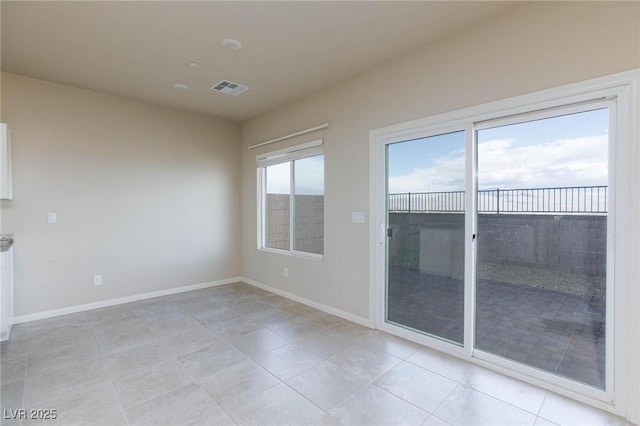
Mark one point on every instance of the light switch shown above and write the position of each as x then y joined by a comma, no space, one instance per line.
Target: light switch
357,217
52,218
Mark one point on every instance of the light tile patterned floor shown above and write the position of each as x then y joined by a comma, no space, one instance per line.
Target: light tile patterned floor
236,354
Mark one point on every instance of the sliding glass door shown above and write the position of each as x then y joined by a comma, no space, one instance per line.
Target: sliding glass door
425,217
498,241
541,264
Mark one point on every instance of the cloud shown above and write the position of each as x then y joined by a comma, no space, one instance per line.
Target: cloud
309,177
507,164
278,179
444,174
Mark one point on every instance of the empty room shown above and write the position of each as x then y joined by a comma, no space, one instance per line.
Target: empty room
320,213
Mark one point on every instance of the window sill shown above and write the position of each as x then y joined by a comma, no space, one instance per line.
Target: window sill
293,253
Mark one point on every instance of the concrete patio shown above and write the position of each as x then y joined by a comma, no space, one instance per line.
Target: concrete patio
551,330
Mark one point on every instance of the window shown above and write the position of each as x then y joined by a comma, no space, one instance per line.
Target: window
291,200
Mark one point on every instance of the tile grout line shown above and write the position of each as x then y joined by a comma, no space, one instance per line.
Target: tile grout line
26,375
195,381
211,398
500,400
175,357
215,402
434,372
224,338
542,404
458,384
303,396
401,398
124,413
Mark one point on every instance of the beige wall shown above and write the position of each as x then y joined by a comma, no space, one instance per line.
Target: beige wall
530,48
533,47
148,196
145,196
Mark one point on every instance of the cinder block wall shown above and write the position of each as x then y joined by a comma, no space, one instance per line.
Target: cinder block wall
277,221
309,222
567,243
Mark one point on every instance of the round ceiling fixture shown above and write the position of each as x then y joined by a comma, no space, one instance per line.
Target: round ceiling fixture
231,45
192,64
181,87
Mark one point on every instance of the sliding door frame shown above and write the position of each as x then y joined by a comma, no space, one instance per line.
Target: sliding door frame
562,110
615,92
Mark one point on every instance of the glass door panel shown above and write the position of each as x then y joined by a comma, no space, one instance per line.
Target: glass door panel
309,201
425,222
542,243
276,216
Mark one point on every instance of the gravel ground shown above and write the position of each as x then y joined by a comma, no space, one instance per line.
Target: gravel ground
563,282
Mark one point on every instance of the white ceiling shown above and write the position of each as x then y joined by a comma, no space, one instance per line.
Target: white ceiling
140,49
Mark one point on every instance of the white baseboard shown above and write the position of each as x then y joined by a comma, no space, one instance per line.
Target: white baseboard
137,297
326,308
120,300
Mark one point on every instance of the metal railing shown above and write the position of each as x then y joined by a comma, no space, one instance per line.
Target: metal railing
559,200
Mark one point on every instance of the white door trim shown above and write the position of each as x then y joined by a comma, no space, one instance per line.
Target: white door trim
624,88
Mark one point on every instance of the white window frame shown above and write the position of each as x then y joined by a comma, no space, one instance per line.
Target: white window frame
286,155
620,91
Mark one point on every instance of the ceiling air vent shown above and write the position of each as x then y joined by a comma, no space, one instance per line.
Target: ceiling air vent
229,87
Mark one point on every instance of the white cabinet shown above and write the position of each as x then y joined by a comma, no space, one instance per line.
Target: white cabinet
6,185
6,293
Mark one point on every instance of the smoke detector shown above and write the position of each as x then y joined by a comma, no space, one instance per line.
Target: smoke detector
231,45
229,87
181,87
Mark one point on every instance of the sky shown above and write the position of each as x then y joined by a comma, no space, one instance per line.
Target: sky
570,150
309,177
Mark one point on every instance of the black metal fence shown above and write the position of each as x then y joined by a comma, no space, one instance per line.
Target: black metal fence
560,200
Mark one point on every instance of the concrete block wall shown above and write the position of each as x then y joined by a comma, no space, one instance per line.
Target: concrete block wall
277,221
309,222
576,244
568,243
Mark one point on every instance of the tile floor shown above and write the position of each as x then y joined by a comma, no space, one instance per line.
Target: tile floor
236,354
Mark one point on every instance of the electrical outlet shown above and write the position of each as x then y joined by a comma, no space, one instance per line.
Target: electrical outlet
286,272
52,218
97,280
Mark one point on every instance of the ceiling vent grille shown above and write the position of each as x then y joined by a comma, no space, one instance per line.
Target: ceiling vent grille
229,87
